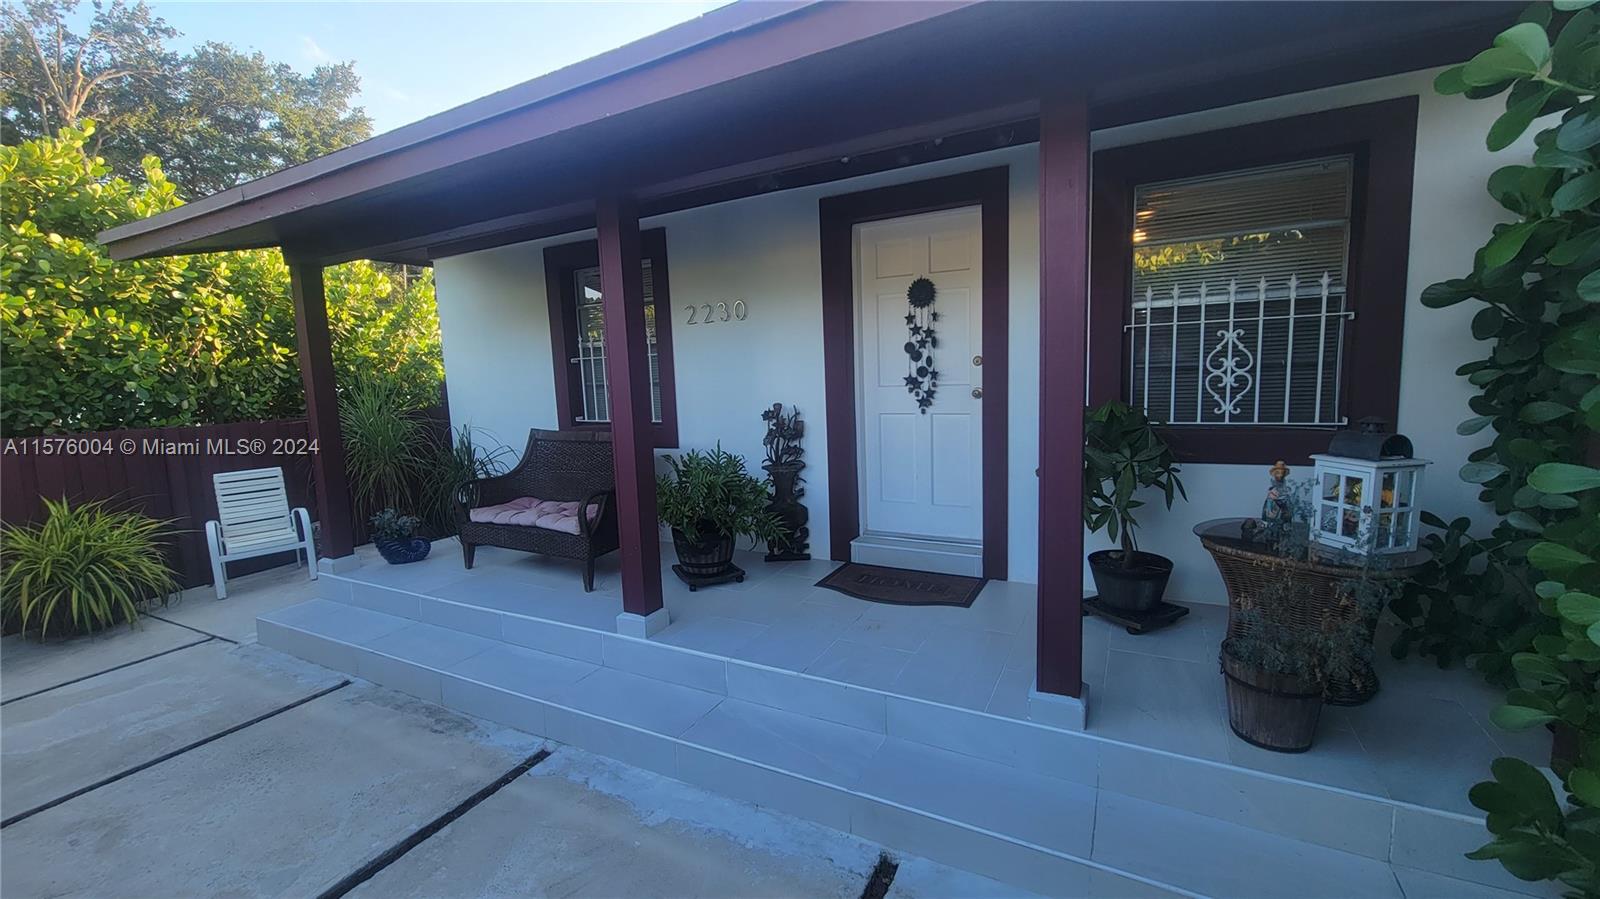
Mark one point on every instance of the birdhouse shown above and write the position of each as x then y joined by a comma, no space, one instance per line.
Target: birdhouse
1367,492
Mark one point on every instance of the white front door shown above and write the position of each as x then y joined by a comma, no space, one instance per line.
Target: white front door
921,470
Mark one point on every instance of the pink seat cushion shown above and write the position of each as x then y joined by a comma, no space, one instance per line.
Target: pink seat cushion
528,511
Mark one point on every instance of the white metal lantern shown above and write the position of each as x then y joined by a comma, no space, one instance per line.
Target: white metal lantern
1366,492
1366,505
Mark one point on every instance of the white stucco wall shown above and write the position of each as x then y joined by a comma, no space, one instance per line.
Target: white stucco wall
496,334
765,251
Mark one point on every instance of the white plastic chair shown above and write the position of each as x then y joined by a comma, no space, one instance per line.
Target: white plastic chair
255,519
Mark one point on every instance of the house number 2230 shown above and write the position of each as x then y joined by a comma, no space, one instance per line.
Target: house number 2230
706,313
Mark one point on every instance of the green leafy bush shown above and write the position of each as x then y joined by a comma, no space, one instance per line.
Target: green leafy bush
1470,601
711,494
84,569
96,344
1538,279
1122,453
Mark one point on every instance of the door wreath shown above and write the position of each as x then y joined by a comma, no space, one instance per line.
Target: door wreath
922,379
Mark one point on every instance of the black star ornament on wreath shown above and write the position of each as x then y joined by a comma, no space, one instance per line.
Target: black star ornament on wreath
922,379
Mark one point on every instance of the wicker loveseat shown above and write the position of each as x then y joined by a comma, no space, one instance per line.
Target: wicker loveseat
560,467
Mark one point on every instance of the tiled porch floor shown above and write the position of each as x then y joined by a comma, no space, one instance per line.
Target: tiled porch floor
1425,739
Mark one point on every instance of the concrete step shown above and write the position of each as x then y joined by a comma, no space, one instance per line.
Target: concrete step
1000,797
1374,826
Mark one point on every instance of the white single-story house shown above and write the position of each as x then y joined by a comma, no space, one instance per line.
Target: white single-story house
1223,213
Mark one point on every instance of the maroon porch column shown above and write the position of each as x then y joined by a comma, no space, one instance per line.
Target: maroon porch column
628,374
322,407
1063,328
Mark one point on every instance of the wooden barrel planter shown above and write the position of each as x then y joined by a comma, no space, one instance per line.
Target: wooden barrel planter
710,556
1272,711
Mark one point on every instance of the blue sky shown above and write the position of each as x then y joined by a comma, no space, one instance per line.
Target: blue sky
416,59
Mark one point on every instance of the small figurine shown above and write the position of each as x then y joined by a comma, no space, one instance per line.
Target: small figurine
1275,513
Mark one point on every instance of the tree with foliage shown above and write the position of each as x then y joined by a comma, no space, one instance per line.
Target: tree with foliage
215,116
95,344
1538,278
54,78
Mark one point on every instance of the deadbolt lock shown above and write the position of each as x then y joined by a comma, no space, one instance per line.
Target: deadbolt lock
977,360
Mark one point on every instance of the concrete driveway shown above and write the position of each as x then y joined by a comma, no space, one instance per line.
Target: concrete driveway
180,759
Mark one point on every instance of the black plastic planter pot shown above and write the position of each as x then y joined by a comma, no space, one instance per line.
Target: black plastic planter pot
1138,588
1272,711
710,556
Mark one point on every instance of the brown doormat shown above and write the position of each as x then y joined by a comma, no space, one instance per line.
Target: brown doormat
903,587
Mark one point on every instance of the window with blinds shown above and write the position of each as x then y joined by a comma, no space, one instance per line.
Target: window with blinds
591,349
1238,308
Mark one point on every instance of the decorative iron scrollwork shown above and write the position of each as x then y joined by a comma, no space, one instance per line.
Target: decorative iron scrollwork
1228,364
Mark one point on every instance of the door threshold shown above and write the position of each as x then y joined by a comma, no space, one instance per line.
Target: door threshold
936,554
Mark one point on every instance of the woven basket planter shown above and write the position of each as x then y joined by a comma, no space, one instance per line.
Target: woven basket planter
1321,595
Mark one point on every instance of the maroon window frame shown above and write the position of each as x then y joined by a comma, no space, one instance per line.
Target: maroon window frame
560,264
1381,139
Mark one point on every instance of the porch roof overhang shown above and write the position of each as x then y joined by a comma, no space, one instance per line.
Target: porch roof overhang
755,97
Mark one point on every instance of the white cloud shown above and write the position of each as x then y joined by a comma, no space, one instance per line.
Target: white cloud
312,50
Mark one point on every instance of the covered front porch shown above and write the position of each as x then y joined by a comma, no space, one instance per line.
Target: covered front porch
963,734
624,138
910,725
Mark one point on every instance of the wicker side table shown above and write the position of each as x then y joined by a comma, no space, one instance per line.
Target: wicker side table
1247,568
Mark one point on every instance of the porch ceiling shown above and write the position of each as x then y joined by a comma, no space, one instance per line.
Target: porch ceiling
753,98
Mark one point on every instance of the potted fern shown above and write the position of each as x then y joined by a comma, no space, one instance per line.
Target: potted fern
1122,454
710,500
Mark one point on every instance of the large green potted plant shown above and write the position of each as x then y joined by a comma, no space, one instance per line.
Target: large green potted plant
1123,454
709,500
85,568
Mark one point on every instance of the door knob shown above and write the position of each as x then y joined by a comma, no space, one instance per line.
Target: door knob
977,360
977,393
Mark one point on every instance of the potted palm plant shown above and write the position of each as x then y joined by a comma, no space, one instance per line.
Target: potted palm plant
1122,455
709,500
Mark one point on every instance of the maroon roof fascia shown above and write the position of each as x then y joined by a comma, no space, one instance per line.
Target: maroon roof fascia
722,45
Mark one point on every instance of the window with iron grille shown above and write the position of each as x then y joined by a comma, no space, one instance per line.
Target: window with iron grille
590,352
1238,308
578,335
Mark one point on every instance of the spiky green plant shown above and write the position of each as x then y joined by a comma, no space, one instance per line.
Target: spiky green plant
84,569
381,437
452,463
